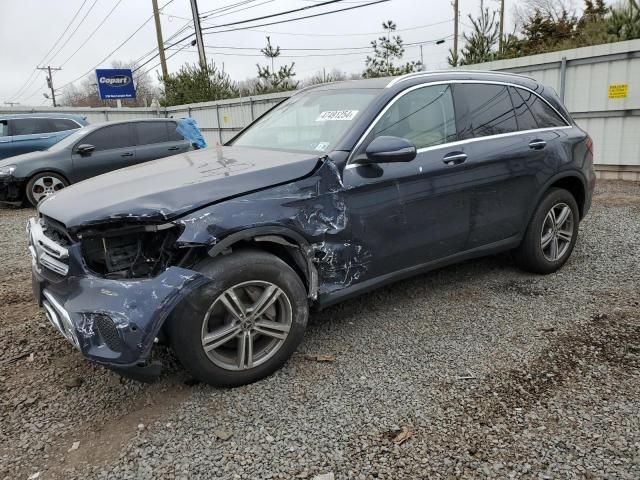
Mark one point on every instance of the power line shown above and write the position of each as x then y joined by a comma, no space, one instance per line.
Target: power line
92,33
299,18
348,34
74,30
329,2
115,49
22,88
282,21
227,7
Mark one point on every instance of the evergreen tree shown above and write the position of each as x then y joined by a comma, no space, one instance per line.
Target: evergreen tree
386,50
270,80
481,45
194,83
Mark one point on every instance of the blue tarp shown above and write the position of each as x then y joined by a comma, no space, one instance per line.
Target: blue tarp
188,128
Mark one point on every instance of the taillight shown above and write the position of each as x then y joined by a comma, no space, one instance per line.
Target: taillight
589,144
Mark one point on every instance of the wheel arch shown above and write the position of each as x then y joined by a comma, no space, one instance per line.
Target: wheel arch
285,243
572,181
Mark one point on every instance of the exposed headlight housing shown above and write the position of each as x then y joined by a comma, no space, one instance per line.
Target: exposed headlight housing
7,170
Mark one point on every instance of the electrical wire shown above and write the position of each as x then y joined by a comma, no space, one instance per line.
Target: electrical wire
92,33
74,30
299,18
22,88
264,17
114,50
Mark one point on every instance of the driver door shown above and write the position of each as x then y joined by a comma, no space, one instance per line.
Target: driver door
411,213
114,149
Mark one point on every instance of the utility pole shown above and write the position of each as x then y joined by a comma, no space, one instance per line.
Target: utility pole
421,59
50,82
163,60
501,26
456,14
196,25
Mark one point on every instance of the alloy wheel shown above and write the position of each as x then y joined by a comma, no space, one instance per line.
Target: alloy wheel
45,186
557,232
246,325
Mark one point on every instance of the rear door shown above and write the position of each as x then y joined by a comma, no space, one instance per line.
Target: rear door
114,148
5,140
506,169
30,134
158,139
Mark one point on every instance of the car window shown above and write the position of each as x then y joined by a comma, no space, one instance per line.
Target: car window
152,132
28,126
312,121
113,136
4,128
484,109
62,124
524,117
174,136
424,116
546,117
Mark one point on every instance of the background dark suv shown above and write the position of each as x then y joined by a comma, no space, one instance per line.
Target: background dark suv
23,133
85,153
340,189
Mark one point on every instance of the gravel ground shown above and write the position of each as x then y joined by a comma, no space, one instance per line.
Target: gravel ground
489,371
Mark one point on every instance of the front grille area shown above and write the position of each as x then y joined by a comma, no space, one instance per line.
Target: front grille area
108,331
46,251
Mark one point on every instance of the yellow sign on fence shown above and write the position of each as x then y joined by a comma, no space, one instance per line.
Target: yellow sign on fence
618,90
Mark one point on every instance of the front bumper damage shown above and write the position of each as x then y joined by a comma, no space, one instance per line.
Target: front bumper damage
12,190
111,322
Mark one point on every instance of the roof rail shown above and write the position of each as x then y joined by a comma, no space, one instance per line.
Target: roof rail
409,76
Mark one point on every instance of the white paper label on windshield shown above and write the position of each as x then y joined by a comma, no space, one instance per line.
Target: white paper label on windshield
336,115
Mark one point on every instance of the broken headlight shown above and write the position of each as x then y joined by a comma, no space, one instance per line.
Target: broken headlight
130,255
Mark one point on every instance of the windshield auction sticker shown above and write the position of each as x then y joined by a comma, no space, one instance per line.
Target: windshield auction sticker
336,115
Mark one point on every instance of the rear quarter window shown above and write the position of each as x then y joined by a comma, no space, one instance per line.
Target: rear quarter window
4,128
546,117
62,124
483,110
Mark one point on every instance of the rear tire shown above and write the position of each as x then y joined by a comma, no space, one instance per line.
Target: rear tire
245,324
551,233
43,184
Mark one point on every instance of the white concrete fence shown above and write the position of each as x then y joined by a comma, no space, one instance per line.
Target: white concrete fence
600,86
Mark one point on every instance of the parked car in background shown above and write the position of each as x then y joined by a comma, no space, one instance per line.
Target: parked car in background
340,189
85,153
24,133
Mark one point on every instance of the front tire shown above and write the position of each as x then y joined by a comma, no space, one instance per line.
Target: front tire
43,184
245,324
551,234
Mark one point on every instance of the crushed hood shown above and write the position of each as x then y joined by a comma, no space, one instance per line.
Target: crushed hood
162,190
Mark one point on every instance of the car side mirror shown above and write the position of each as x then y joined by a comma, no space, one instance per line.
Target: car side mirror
85,149
387,149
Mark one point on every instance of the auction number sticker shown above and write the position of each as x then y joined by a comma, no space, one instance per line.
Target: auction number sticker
336,115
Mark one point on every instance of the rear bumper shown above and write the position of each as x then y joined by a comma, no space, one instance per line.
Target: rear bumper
111,322
12,190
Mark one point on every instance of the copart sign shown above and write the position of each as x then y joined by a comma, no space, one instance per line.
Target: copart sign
115,83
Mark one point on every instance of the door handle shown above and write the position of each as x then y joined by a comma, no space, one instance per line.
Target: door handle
455,158
128,154
537,144
173,148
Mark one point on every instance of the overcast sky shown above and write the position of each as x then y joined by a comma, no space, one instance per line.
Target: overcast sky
30,28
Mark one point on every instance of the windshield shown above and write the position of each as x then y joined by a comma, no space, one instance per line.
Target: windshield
69,139
310,122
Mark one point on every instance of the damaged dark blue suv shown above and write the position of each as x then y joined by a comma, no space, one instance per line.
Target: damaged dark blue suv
340,189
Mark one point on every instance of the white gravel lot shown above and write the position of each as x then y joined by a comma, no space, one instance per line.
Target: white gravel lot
495,373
